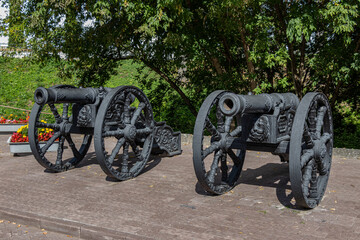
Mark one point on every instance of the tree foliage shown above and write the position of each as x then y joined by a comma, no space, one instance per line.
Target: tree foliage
199,46
16,25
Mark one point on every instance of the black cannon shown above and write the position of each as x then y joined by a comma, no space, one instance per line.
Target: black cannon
118,118
300,133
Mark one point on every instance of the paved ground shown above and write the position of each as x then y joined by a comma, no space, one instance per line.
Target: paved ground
15,231
165,202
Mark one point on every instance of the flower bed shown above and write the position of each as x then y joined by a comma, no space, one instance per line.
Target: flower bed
14,119
19,140
12,123
22,134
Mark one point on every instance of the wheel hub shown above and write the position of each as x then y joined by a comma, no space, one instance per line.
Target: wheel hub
65,127
223,141
130,132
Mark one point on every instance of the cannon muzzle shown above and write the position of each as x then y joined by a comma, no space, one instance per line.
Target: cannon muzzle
230,104
65,95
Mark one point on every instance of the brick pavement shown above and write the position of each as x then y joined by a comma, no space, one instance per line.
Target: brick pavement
165,202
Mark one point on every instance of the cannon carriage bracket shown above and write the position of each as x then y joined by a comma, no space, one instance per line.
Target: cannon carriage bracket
118,118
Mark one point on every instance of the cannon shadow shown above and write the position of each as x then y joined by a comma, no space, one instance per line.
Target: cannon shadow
90,159
273,175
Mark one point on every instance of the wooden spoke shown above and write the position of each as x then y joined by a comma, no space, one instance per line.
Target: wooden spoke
145,131
320,120
326,137
220,120
136,150
224,168
55,113
227,124
137,113
138,156
116,133
60,151
211,128
125,159
65,111
236,169
213,147
236,159
306,157
307,136
324,165
307,177
116,150
49,142
73,148
52,126
313,191
214,166
237,131
127,109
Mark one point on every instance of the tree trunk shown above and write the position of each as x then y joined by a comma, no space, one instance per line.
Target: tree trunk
295,77
249,63
217,65
173,85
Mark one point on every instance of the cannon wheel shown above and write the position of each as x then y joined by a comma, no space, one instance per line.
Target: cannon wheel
40,149
216,174
125,120
310,152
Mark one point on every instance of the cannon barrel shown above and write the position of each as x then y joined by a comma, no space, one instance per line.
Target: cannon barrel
65,95
231,104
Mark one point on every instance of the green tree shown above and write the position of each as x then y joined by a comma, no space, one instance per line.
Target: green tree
16,25
199,46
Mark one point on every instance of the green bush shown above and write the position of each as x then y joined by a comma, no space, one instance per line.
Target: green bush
346,126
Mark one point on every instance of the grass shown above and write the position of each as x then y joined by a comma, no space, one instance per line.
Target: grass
19,79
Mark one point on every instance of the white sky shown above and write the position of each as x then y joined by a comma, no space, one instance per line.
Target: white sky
3,13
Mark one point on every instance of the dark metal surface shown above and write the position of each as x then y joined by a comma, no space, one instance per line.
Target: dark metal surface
119,118
166,140
276,123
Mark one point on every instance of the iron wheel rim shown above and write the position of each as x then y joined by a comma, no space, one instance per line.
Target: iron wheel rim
143,125
210,180
311,150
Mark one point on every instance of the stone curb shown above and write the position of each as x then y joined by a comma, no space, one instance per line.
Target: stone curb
342,152
75,229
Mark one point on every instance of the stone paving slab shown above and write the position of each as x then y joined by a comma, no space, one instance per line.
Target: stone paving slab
166,202
15,231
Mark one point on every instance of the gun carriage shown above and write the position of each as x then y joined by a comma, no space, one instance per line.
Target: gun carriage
117,118
301,133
